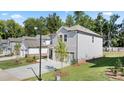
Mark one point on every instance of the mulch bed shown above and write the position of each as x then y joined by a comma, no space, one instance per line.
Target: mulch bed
110,74
80,62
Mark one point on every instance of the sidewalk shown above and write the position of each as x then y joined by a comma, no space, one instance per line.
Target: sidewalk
8,58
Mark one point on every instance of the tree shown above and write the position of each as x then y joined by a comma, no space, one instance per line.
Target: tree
13,29
112,29
29,25
61,51
2,28
99,22
41,24
69,21
78,16
84,20
17,51
121,35
53,22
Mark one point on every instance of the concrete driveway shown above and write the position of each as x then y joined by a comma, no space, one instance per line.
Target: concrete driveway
24,73
5,76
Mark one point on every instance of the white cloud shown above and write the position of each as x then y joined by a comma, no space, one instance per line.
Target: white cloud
4,14
107,13
67,12
16,16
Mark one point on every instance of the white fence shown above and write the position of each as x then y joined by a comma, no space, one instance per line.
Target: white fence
114,49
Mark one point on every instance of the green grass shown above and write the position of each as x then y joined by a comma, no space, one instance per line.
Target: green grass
12,63
94,70
114,54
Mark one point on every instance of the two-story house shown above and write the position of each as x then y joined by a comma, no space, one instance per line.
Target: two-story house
81,43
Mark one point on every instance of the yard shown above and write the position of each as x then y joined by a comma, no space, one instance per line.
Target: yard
94,70
12,63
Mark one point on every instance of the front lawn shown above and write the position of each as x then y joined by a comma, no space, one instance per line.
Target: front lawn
114,54
94,70
12,63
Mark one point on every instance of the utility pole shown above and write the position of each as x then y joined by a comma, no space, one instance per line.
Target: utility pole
40,77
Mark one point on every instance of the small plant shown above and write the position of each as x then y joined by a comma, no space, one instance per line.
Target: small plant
115,71
29,59
26,56
118,64
73,62
122,71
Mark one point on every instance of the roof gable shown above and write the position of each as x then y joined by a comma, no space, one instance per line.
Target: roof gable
80,29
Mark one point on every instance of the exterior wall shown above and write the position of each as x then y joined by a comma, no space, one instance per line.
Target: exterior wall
71,40
12,45
81,44
23,50
46,42
88,49
36,51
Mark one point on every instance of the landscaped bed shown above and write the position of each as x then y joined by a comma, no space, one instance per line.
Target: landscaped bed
93,70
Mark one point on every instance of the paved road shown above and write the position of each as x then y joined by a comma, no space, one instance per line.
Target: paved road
23,72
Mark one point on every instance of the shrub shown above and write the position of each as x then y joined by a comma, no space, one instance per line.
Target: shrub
29,59
115,72
118,64
26,56
73,62
122,71
34,58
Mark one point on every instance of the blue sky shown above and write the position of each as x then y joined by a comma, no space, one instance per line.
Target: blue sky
20,16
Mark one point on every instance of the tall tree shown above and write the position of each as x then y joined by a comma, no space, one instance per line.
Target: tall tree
2,28
78,16
112,29
29,26
69,21
41,24
13,29
53,22
99,22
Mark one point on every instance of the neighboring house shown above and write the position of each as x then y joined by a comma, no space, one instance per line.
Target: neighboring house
81,42
13,42
4,47
30,45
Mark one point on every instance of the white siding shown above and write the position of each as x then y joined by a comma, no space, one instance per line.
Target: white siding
88,49
36,50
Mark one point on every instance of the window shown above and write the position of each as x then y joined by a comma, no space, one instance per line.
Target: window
92,39
60,36
65,38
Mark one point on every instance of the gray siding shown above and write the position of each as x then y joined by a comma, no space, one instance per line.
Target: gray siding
81,44
71,40
88,49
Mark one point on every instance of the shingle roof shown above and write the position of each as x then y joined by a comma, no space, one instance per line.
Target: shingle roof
81,28
15,39
44,37
32,43
27,37
3,41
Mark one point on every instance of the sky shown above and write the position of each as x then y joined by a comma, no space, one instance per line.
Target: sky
21,16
